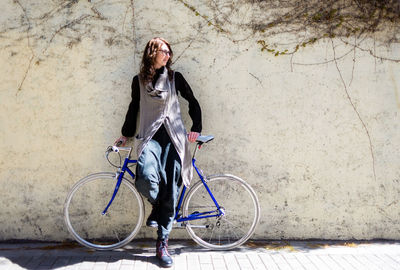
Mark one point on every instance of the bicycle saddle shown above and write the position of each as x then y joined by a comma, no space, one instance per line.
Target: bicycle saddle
204,139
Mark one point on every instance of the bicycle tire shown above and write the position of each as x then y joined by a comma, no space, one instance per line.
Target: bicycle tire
241,206
85,203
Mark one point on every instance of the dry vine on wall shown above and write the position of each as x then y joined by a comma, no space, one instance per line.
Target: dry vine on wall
308,20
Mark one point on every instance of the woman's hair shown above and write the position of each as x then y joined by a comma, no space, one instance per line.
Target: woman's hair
147,69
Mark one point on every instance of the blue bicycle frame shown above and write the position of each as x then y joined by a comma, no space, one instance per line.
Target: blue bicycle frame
196,215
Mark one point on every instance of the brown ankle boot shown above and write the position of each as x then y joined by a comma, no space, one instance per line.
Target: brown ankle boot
162,253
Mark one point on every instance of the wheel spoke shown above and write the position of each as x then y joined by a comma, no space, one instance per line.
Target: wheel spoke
212,232
234,227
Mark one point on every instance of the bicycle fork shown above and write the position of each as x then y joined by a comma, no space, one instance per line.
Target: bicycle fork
114,193
120,175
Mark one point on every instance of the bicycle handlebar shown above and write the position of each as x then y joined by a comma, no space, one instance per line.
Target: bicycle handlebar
117,148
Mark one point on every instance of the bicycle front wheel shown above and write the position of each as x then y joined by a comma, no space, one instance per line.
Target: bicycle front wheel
241,210
84,206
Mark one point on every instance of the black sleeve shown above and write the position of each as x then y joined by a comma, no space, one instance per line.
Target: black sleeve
194,107
129,127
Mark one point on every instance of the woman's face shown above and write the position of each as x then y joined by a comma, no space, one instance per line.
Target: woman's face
162,57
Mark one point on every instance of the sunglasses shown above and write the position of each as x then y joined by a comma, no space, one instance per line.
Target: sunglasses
165,52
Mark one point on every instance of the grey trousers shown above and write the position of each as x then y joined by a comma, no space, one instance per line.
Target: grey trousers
158,178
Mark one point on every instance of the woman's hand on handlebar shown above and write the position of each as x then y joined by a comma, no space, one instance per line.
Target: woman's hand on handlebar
121,141
192,136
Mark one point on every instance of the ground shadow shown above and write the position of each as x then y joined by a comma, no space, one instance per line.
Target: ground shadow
139,254
51,256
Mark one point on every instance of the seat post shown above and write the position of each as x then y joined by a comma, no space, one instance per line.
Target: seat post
198,145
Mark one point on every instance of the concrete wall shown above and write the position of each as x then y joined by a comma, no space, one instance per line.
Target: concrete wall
323,158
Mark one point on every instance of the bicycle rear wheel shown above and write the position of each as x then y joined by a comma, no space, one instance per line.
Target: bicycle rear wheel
84,206
239,203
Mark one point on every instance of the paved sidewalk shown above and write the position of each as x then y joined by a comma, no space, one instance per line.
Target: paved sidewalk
280,255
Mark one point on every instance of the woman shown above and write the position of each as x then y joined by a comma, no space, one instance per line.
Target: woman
164,159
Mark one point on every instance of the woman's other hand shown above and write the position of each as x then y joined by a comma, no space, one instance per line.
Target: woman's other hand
121,139
192,136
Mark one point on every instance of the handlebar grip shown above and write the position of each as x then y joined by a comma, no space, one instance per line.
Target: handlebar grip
114,148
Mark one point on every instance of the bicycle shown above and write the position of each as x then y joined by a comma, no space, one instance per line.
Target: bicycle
104,210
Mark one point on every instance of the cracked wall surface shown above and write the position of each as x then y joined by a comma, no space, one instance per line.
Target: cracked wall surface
316,134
